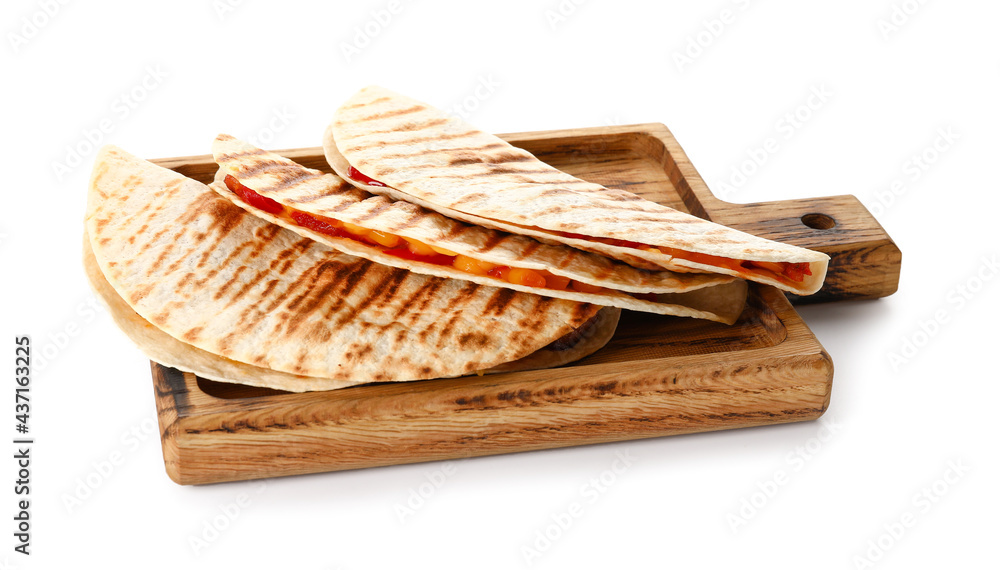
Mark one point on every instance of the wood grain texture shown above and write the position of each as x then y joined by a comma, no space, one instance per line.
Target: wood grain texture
683,375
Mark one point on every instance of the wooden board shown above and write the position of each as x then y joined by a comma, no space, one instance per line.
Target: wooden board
658,375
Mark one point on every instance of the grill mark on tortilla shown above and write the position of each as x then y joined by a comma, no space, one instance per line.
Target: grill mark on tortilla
364,351
236,252
315,274
299,247
570,259
418,301
400,336
210,276
385,288
140,293
171,186
288,183
461,161
579,181
127,221
457,230
299,367
123,223
474,340
407,127
225,215
349,283
423,334
281,258
375,212
387,156
99,172
411,220
290,256
461,298
534,245
499,301
530,322
244,318
306,199
192,334
225,286
366,104
257,278
260,168
99,223
471,196
608,206
163,255
152,240
389,114
583,312
184,280
551,191
510,157
342,189
504,169
479,157
495,239
264,236
443,333
159,318
322,284
419,140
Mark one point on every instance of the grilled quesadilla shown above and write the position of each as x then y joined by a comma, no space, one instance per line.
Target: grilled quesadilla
390,144
326,208
167,350
232,285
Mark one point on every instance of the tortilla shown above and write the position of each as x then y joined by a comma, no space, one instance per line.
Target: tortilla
168,351
214,277
316,205
411,151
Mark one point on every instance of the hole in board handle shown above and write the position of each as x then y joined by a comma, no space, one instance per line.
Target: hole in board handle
819,221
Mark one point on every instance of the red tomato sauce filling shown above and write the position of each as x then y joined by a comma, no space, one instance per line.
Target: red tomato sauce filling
786,272
414,250
354,174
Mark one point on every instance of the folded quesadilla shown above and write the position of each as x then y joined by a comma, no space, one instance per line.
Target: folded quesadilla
390,144
242,296
169,351
326,208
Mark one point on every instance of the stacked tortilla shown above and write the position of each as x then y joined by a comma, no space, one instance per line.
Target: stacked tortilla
390,144
201,285
400,234
454,253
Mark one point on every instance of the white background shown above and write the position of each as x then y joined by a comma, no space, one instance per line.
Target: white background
892,429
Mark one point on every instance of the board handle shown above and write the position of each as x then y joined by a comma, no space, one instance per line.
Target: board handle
864,261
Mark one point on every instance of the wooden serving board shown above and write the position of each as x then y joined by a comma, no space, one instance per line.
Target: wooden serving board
658,375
